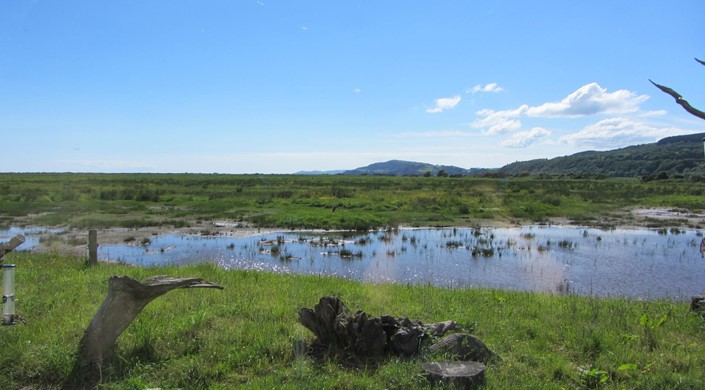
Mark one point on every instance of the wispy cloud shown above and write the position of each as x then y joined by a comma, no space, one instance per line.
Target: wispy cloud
357,90
435,134
523,139
653,113
490,87
499,122
443,104
619,131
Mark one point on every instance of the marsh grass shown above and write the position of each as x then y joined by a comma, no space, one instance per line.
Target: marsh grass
242,337
325,202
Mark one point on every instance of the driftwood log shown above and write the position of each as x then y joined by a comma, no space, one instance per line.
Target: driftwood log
125,300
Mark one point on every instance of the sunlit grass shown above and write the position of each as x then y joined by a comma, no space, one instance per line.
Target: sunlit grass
242,336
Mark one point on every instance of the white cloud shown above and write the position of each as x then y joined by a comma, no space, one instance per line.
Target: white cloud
590,99
626,124
491,87
357,90
525,138
653,113
499,122
443,104
617,132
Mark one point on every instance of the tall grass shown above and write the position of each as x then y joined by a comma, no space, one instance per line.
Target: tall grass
242,337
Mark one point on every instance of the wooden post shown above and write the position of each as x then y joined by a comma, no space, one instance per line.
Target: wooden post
92,247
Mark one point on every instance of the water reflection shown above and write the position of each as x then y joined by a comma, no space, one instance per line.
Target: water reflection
31,236
641,264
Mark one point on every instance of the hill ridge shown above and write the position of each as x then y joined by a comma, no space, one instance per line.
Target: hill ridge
675,155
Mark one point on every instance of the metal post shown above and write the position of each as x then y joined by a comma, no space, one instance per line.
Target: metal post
8,294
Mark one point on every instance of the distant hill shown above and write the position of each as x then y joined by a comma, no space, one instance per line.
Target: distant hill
407,168
679,155
319,172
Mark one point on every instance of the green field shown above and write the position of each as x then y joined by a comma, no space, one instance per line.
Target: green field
327,202
242,336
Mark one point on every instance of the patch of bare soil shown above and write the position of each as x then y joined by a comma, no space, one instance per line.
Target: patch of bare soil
659,217
75,242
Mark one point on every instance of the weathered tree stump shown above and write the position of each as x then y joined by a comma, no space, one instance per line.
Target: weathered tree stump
125,300
467,375
363,335
463,346
325,320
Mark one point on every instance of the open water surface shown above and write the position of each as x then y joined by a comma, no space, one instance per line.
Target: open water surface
641,263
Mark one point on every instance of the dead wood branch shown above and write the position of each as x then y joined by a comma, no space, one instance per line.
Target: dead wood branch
125,300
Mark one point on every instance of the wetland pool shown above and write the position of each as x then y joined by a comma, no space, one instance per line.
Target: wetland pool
633,263
638,264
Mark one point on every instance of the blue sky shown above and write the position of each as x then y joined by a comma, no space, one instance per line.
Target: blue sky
284,86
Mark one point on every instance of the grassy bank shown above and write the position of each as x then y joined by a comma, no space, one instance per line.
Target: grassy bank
242,336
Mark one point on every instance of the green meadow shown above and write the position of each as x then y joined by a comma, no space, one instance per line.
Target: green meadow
243,336
328,202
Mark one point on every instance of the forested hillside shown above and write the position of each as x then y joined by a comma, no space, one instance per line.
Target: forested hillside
679,155
670,157
407,168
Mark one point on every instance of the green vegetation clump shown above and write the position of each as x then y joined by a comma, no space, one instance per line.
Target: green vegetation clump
242,336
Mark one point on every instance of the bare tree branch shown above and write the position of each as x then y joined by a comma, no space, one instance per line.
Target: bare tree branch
679,99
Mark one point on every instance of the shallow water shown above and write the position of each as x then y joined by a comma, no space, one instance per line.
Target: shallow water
640,264
31,236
